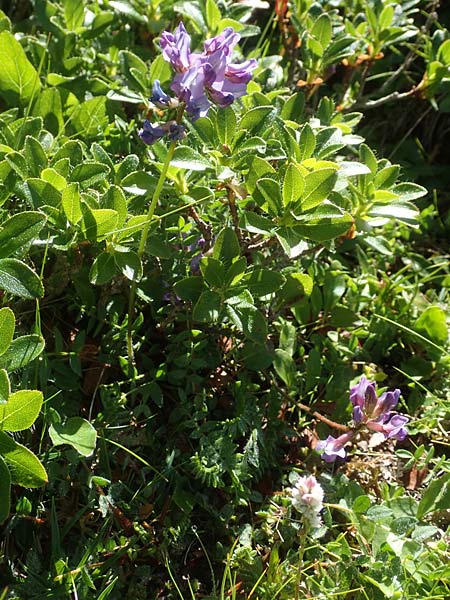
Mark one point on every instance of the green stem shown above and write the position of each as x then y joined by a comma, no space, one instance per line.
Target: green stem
141,249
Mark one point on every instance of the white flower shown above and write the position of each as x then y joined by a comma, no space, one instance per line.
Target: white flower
307,497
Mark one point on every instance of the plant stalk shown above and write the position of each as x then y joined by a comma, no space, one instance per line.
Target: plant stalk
141,249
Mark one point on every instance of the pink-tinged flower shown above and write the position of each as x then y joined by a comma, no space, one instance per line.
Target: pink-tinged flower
332,448
363,396
206,76
367,405
176,48
392,426
307,498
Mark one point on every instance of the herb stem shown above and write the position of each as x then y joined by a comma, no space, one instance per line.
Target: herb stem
141,249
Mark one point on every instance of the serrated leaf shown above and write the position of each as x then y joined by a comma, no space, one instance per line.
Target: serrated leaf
25,468
21,410
21,351
75,432
18,279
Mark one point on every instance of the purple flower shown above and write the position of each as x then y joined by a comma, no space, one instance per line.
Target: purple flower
363,396
160,98
392,426
366,403
176,48
150,134
332,448
176,131
207,76
190,89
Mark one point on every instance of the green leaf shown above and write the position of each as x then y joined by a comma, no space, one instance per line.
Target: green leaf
114,198
284,366
7,326
261,282
254,118
25,468
432,323
99,223
21,410
270,193
5,490
75,432
129,264
226,124
207,307
296,287
293,108
5,387
189,288
89,118
247,319
21,351
73,14
435,497
19,232
255,223
188,158
71,203
18,163
405,212
19,80
41,193
318,185
18,279
35,156
322,30
307,142
226,247
293,185
89,173
258,168
213,15
48,105
213,272
103,269
325,223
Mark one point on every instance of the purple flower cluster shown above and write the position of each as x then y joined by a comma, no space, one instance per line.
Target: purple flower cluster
207,76
370,411
201,78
